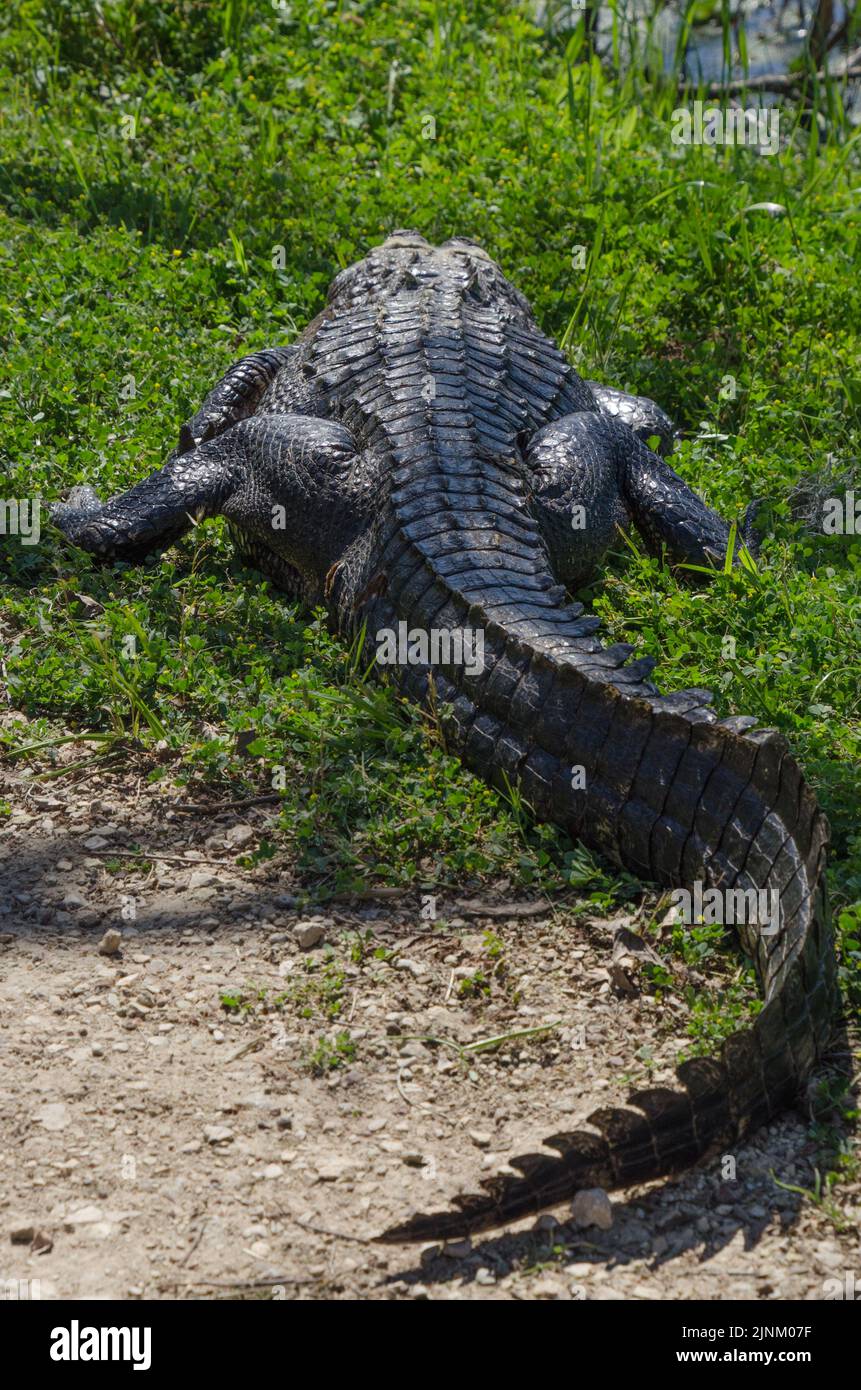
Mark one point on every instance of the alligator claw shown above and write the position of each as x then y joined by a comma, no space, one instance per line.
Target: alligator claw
73,515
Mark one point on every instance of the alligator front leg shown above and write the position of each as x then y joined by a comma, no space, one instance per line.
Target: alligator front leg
235,397
592,475
279,479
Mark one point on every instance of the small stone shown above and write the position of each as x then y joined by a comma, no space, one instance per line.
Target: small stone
592,1207
416,968
239,835
201,878
22,1235
457,1249
273,1170
110,942
194,1146
331,1169
828,1256
83,1216
545,1222
255,1232
480,1138
548,1287
308,934
53,1116
217,1134
41,1244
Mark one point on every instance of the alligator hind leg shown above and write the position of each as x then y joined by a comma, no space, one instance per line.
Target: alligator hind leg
639,413
592,474
156,511
575,493
272,476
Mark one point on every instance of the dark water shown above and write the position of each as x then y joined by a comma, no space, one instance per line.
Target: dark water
775,33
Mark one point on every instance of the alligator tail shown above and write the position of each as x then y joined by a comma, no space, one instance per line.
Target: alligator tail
675,796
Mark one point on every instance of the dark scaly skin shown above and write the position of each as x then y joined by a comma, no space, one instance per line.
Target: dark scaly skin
427,445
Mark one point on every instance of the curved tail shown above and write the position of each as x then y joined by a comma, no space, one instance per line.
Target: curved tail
676,796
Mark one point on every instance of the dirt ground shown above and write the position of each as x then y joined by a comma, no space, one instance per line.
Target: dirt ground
171,1128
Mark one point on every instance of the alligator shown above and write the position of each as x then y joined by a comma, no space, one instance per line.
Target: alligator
424,459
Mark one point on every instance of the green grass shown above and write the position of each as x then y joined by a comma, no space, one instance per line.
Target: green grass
178,185
330,1053
321,992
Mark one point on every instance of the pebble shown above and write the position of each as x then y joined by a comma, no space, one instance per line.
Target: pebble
592,1207
308,934
331,1169
83,1216
110,942
239,835
416,968
217,1134
53,1116
457,1249
546,1222
201,878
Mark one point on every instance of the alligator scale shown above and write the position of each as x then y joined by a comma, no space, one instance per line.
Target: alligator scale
417,457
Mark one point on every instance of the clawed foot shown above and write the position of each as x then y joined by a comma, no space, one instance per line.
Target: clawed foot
74,515
85,521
